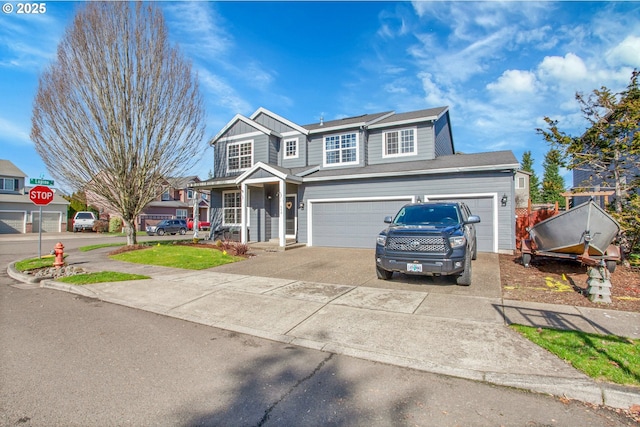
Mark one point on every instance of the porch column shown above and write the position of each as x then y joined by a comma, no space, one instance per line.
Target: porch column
243,213
281,211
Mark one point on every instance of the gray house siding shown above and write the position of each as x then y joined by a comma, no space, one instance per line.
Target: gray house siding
301,159
316,148
271,123
424,145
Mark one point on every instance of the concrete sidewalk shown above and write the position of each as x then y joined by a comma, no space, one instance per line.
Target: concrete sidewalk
439,328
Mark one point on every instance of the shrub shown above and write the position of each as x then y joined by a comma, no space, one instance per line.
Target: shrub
100,226
115,225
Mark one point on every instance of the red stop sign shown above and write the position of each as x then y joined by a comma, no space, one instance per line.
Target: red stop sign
41,195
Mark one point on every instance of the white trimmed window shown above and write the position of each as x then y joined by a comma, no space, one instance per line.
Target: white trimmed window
181,213
9,184
231,208
291,148
239,156
520,182
341,149
399,143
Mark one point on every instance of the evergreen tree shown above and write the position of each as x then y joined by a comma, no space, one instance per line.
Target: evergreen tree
552,181
534,181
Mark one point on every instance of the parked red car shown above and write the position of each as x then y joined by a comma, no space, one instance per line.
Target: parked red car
202,225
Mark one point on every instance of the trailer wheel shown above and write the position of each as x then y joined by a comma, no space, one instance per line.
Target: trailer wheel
526,259
611,265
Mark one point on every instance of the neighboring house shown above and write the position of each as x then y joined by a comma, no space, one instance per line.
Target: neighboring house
332,183
522,189
179,199
18,214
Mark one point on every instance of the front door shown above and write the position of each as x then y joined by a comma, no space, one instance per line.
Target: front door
290,218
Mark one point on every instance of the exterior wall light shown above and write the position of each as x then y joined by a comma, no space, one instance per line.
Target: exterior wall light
504,200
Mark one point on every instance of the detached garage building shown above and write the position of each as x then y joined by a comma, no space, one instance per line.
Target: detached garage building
332,183
18,214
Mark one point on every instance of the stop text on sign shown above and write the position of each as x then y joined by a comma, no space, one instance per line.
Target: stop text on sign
41,195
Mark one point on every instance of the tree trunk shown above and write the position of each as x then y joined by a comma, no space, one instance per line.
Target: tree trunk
130,230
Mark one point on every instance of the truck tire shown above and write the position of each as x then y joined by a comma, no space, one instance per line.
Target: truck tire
160,231
183,231
465,278
383,274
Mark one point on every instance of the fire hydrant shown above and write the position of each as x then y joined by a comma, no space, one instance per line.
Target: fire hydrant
58,250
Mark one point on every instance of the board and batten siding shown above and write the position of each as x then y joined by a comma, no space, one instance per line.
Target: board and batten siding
494,183
443,143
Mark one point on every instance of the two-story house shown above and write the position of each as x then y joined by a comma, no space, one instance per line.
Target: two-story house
18,214
332,183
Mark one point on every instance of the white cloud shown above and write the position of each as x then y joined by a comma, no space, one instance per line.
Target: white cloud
222,94
568,68
514,82
626,53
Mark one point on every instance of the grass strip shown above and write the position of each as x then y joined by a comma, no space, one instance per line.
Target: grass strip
35,263
607,358
178,256
100,277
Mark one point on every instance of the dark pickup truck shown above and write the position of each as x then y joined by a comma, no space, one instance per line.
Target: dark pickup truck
432,238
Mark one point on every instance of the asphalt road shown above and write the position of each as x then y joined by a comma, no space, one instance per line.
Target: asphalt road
67,360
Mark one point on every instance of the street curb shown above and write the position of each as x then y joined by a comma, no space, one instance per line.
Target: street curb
48,283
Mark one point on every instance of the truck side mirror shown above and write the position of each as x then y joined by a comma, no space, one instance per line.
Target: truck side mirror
388,220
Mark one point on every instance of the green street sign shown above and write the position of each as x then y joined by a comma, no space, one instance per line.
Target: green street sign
39,181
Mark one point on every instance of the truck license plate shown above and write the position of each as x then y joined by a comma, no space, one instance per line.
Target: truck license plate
415,268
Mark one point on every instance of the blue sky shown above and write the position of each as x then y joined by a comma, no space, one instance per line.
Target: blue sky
499,66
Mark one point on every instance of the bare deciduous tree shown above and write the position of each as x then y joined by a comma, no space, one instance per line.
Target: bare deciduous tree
119,110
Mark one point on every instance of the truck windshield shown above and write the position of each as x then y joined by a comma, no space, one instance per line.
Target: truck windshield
422,215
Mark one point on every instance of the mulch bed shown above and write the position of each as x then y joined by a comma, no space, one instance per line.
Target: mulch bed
557,281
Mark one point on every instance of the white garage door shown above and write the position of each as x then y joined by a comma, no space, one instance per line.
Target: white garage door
50,222
12,222
350,224
483,206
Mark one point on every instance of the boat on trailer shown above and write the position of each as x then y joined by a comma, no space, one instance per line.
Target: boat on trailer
586,226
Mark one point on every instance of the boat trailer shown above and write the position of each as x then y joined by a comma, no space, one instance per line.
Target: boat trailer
599,267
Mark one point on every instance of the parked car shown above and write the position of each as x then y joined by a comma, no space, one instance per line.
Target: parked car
202,225
83,220
430,238
171,226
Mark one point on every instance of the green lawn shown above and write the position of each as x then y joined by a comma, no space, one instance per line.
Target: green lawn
99,277
602,357
178,256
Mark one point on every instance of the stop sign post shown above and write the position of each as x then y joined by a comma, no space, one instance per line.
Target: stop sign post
41,196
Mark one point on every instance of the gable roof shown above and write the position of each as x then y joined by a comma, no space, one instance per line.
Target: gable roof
241,118
279,118
7,168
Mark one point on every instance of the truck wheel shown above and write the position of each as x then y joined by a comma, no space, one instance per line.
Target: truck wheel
160,232
383,274
475,250
465,278
183,231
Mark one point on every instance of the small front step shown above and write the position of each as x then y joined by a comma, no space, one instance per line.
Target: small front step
273,245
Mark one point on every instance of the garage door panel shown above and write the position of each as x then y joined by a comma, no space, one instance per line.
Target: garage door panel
12,222
483,207
352,224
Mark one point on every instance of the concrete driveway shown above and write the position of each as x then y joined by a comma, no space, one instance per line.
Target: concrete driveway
356,267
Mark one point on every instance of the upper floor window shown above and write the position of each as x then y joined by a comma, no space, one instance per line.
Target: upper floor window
166,195
291,148
239,156
191,194
9,184
399,143
520,182
181,213
341,149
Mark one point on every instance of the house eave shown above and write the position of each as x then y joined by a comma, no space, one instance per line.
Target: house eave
511,168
